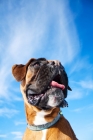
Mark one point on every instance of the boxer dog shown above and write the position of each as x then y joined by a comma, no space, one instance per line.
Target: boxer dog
44,86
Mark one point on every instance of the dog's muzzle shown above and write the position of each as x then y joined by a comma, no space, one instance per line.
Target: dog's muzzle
49,87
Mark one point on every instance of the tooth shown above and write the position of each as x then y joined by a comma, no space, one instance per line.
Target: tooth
59,72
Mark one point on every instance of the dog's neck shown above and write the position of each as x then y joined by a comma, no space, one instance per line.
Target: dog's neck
35,116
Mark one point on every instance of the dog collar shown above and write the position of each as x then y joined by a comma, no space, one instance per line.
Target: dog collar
44,126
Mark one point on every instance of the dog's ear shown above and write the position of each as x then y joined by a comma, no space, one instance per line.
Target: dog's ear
69,88
19,71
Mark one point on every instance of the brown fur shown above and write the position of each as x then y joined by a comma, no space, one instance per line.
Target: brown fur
60,131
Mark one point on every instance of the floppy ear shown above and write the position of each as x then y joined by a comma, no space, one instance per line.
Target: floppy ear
19,71
69,88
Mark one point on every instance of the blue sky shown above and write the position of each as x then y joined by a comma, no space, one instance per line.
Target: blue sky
55,29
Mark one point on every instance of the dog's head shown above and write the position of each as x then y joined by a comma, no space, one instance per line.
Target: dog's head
44,83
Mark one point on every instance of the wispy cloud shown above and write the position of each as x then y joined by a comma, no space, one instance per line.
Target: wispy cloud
4,82
76,93
87,84
79,110
17,134
33,34
20,122
8,112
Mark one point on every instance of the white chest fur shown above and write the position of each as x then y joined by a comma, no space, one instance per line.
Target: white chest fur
39,118
44,134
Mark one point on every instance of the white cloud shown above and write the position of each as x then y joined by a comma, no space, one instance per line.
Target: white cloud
81,109
79,64
17,134
75,94
29,33
78,110
20,122
8,112
88,84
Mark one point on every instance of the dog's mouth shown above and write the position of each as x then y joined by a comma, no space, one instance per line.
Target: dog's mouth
54,89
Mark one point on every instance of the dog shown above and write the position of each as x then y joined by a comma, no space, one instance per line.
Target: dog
44,85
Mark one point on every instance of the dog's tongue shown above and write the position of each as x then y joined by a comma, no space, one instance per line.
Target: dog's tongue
55,84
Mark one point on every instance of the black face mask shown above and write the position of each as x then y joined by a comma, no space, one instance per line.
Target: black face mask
41,101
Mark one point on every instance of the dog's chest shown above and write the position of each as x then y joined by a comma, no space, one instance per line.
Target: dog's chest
35,135
39,118
44,133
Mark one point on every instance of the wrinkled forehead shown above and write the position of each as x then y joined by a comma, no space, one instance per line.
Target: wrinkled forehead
38,60
41,59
